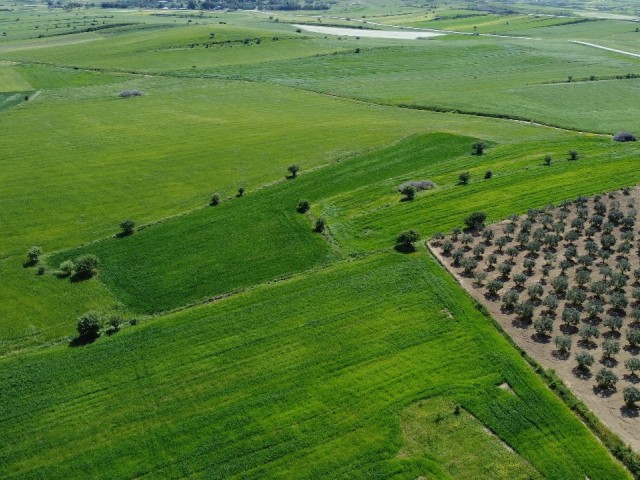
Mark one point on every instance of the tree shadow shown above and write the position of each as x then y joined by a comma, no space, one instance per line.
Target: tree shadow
568,329
561,355
587,344
631,378
609,362
404,248
81,341
631,349
123,234
604,392
80,277
29,263
582,373
611,334
541,338
629,412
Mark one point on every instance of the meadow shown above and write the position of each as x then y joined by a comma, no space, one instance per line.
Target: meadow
254,347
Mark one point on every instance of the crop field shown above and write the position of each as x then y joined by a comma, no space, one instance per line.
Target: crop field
259,336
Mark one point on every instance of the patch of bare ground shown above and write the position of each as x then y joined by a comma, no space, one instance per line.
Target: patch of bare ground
564,283
506,387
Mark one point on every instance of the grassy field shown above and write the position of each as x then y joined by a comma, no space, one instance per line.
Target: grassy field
309,378
331,357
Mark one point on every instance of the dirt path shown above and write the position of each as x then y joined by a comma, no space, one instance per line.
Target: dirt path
631,54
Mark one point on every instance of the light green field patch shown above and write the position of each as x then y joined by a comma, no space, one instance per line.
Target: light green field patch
12,81
462,445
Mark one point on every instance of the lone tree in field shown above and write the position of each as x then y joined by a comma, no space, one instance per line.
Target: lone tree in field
320,225
573,155
127,227
405,241
33,255
548,160
215,199
463,178
89,325
86,265
409,192
293,170
478,148
303,206
240,192
475,220
624,137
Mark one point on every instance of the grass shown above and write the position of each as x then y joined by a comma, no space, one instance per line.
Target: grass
253,387
11,81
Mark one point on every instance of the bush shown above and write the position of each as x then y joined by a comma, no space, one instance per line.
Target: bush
463,178
475,220
624,137
89,325
86,265
215,199
478,148
131,93
488,175
66,268
303,206
33,255
240,192
114,323
127,227
548,160
320,225
419,185
573,155
409,192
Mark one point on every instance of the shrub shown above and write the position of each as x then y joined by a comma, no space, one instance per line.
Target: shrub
584,359
405,241
320,225
624,137
131,93
66,268
293,170
86,265
606,379
240,192
89,325
215,199
419,185
478,148
114,323
573,155
463,178
303,206
127,226
548,160
631,395
409,192
488,175
33,255
475,220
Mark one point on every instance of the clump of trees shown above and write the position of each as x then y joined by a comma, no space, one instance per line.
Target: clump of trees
127,227
624,137
475,220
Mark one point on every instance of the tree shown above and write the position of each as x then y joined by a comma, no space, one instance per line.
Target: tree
560,284
215,199
563,343
127,227
33,255
589,332
606,379
576,296
488,236
529,264
613,323
409,192
505,269
583,277
89,325
535,291
631,395
405,241
478,148
610,348
624,137
632,365
66,268
551,303
573,155
520,279
524,311
594,307
547,160
584,359
240,192
303,206
469,265
488,175
633,336
570,316
494,286
510,299
86,265
475,220
543,325
320,225
618,301
293,170
464,178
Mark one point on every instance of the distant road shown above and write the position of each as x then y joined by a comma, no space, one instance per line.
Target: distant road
631,54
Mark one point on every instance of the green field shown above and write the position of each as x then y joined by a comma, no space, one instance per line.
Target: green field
254,347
